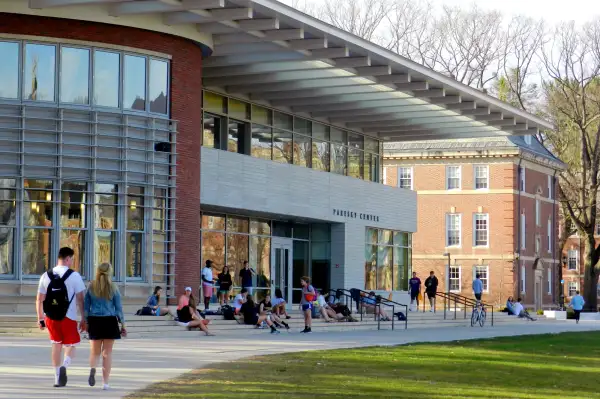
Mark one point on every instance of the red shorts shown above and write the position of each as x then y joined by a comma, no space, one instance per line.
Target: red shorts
63,331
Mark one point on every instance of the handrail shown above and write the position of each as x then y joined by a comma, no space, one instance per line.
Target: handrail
385,302
462,300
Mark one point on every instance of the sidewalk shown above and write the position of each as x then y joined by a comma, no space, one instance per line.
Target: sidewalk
25,372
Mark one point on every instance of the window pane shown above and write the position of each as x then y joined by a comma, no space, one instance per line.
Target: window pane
339,158
355,163
401,239
74,239
72,214
239,109
134,89
36,251
302,126
7,237
159,86
371,145
370,267
338,136
282,229
7,213
213,222
384,268
213,248
214,102
454,278
236,134
262,115
211,136
106,217
283,121
369,170
9,70
38,214
481,230
237,224
260,256
301,231
302,150
385,237
107,73
104,248
320,131
371,236
262,146
320,155
40,72
401,268
482,271
356,141
133,254
262,227
282,146
74,75
135,213
237,253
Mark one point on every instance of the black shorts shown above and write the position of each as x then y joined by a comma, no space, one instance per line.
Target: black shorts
478,297
251,321
431,294
414,295
183,315
103,327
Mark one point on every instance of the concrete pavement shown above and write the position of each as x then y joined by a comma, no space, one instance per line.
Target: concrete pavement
25,372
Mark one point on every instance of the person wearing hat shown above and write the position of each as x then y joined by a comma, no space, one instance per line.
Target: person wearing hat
184,301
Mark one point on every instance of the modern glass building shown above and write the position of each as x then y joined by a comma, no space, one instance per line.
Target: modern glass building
158,134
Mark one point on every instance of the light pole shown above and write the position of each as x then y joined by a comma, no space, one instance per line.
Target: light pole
447,299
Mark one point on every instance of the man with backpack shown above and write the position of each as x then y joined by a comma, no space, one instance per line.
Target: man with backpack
60,293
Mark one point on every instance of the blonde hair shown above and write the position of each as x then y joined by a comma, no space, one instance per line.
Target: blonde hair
102,285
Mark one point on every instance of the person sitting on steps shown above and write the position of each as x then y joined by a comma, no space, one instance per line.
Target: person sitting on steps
265,308
251,316
189,317
520,311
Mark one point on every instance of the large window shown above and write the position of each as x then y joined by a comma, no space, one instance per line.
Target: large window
573,259
8,223
484,275
267,134
387,259
523,233
454,283
481,229
37,235
572,288
63,73
405,178
481,173
105,230
453,229
73,221
453,177
134,245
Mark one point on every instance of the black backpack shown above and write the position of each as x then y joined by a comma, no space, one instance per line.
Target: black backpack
57,300
228,312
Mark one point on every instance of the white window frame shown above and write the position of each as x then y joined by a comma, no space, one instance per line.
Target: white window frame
459,177
550,187
572,254
399,171
523,280
549,280
477,269
549,235
448,219
538,211
485,216
449,267
487,177
523,235
522,182
574,284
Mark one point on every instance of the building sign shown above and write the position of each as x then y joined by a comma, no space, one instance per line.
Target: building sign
355,215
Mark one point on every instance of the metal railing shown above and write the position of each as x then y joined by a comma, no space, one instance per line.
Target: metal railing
357,296
457,299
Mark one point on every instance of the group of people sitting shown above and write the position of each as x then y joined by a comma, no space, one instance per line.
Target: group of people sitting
516,308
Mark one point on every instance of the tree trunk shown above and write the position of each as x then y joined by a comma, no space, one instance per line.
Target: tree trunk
590,281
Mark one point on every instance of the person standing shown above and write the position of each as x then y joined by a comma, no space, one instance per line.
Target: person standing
60,294
246,276
415,289
103,313
308,296
431,284
207,283
225,284
577,303
477,287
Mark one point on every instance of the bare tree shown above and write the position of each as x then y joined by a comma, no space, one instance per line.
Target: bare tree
572,64
363,18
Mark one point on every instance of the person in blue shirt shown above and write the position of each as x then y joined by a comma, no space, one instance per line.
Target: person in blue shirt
477,287
414,289
577,303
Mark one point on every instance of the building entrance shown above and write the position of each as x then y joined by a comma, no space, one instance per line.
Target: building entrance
281,267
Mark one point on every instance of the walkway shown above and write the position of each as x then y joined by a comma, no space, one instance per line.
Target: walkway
140,362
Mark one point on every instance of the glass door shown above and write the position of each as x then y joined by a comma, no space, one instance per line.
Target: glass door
281,267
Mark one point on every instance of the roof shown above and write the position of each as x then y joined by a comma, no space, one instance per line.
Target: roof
271,53
515,144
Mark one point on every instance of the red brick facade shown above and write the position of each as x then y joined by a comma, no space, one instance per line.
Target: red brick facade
503,205
573,264
186,97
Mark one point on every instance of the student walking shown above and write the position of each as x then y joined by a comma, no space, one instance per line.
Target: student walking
60,294
308,296
103,313
431,285
415,289
207,283
577,303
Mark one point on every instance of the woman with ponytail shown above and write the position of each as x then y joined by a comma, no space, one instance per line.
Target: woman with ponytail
103,313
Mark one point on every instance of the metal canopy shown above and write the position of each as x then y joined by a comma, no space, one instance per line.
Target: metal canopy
268,52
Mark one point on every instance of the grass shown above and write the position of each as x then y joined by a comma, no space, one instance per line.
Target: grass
564,366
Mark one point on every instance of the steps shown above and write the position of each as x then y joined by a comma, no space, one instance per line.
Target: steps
15,324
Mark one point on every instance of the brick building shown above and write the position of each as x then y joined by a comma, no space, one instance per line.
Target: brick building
573,264
490,205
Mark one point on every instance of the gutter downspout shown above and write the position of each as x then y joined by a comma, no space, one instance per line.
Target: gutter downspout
518,271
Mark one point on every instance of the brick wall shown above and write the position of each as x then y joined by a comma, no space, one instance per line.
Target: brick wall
186,88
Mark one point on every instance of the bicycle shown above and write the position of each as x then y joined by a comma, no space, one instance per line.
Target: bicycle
479,314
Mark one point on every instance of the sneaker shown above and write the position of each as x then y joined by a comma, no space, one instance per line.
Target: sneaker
105,387
92,378
287,326
275,332
309,331
277,324
304,331
288,317
430,310
260,327
62,377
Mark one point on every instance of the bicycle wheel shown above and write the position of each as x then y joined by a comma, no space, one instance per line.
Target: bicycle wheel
474,317
482,316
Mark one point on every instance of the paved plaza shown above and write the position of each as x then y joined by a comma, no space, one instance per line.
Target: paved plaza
25,372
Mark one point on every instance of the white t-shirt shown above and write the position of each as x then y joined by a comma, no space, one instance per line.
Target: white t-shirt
74,286
277,301
207,274
321,300
238,301
517,308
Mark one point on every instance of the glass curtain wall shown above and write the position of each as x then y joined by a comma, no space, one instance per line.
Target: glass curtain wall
387,259
250,129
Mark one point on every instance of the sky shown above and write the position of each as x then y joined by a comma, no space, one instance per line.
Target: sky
553,11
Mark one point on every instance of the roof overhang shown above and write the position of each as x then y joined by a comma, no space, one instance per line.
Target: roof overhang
271,53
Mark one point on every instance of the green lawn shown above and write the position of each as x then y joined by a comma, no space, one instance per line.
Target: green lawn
545,366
